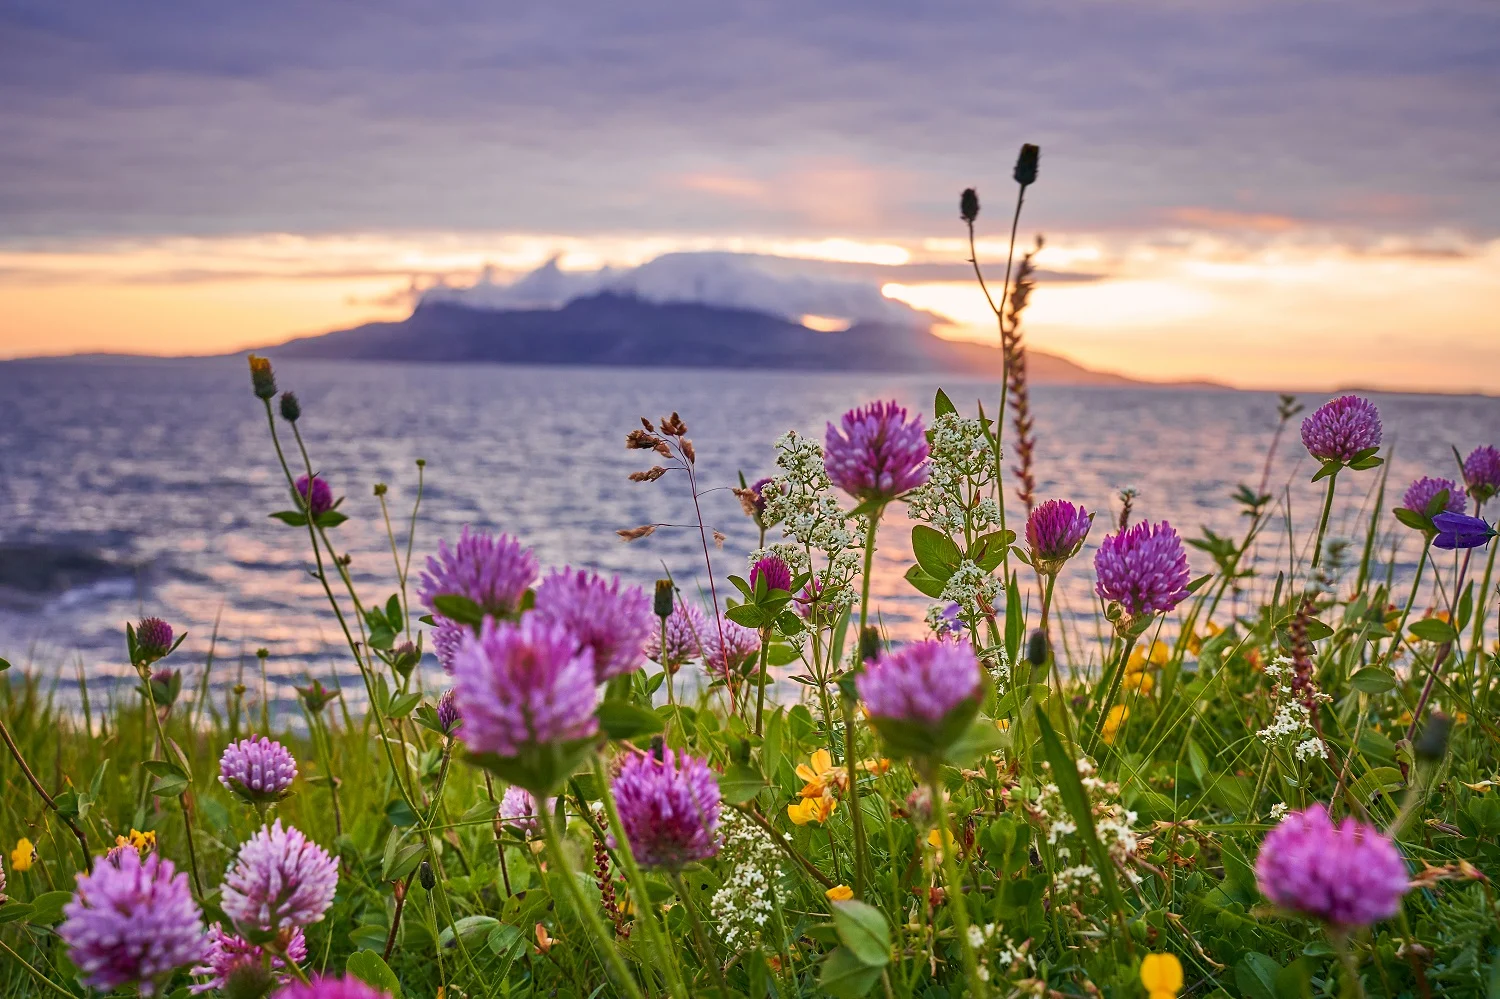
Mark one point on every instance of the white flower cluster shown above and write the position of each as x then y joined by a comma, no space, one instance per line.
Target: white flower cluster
795,557
939,623
1311,747
1114,824
959,465
802,498
744,904
997,662
1006,955
1278,811
968,586
1292,719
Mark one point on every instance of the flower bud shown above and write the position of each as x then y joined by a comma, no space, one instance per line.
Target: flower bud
869,644
662,604
1036,648
291,409
968,205
1432,744
425,875
1026,164
262,378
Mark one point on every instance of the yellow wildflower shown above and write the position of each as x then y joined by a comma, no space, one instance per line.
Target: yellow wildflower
23,856
544,943
144,842
940,841
822,776
1142,659
1143,682
875,767
1112,723
1003,724
806,810
1162,975
839,893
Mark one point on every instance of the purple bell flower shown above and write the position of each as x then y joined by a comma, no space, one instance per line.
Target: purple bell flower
1457,530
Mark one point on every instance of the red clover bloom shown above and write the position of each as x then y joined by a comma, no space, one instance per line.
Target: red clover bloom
448,714
1346,875
524,684
258,770
669,808
738,647
133,920
228,953
1055,531
1338,430
1424,490
321,500
518,810
280,880
875,454
153,639
493,572
920,682
1143,569
686,630
614,622
775,571
331,988
1482,473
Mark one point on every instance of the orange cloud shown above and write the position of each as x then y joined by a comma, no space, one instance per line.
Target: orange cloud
1219,218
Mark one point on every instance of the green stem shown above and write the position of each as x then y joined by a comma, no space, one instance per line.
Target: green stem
760,701
602,934
187,819
704,947
1323,521
1115,682
637,882
43,978
955,888
856,811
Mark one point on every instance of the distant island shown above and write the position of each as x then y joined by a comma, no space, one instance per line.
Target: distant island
680,310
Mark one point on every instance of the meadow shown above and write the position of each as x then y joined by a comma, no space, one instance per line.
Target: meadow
1281,783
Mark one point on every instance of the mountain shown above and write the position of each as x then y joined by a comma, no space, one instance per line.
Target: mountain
610,328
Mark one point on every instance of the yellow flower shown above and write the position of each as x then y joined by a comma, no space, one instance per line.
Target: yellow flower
875,767
144,842
940,841
1113,721
1143,682
822,776
23,856
1142,660
1162,975
807,810
544,943
1003,724
839,893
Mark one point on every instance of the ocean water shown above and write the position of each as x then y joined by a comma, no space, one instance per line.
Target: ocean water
136,487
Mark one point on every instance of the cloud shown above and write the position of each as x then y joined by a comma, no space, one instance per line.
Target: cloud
770,117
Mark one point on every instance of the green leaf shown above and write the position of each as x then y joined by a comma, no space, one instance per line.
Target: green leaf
746,615
862,929
480,811
1076,800
1199,583
1362,464
1317,630
1255,974
978,740
1465,607
401,704
1433,629
845,976
292,517
936,553
926,585
942,405
1373,680
1412,519
782,654
4,665
988,550
468,927
171,781
740,783
1381,780
540,769
47,907
1329,468
393,612
458,608
330,518
624,720
10,912
370,968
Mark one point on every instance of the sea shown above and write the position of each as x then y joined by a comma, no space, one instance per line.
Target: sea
133,487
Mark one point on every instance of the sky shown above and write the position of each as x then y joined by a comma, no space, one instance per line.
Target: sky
1264,192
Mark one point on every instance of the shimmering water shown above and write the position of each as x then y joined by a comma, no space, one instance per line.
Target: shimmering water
164,469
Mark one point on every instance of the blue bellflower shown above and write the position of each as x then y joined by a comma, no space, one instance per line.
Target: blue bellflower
1457,530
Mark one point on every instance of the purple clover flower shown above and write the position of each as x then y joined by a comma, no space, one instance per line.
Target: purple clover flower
1346,875
518,685
1424,490
612,621
875,454
1457,530
518,810
1144,569
493,572
132,921
775,571
686,632
1055,531
228,953
1338,430
321,500
448,715
319,987
153,639
1482,473
259,770
737,647
669,808
280,880
920,682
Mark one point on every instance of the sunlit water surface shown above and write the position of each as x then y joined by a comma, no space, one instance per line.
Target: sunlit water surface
165,470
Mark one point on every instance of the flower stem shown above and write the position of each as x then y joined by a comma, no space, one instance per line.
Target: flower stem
1323,521
187,818
765,653
856,811
704,947
586,912
49,982
955,888
1115,682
